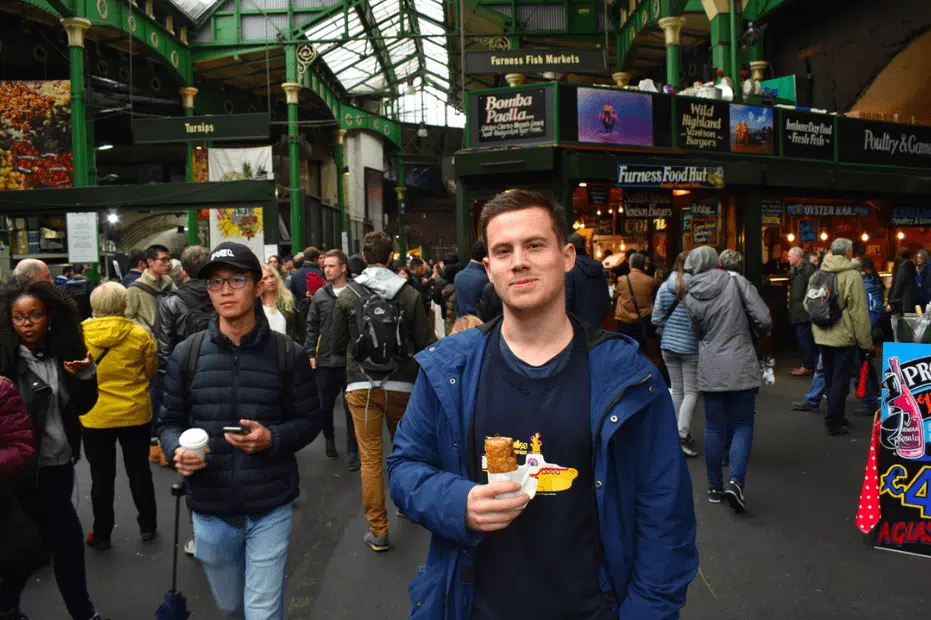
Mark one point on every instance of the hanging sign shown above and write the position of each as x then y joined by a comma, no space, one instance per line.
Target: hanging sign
647,205
536,61
81,229
598,196
772,213
670,177
706,208
808,231
807,135
903,466
828,210
875,142
217,128
915,217
703,125
518,115
704,230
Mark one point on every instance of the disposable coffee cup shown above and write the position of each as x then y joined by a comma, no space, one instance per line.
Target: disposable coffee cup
194,440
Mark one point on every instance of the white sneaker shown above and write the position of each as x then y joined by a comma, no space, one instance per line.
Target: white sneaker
189,547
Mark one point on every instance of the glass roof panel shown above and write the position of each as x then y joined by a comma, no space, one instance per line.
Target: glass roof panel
195,9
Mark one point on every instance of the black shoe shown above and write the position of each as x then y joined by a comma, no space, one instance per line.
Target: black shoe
354,463
715,495
688,446
97,542
803,406
331,452
148,536
838,431
735,497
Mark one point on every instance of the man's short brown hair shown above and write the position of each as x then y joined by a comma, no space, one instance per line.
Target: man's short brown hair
340,256
377,247
311,253
520,199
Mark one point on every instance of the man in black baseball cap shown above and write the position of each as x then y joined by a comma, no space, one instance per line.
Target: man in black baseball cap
251,390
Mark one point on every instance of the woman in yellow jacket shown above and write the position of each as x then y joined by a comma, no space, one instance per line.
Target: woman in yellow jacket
125,356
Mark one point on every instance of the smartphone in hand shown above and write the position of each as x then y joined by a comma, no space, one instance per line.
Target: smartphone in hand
235,430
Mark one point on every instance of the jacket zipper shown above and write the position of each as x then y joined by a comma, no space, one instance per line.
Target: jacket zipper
236,452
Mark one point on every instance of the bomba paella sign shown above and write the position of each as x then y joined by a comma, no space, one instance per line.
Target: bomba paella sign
512,116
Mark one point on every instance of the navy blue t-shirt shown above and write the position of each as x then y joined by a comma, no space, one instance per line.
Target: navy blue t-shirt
544,565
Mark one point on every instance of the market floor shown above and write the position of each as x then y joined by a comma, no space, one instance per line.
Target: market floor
797,554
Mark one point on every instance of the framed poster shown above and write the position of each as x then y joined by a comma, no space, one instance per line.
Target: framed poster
752,129
374,192
772,213
512,117
808,231
81,229
608,116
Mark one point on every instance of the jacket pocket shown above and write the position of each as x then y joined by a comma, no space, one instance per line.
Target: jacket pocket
427,594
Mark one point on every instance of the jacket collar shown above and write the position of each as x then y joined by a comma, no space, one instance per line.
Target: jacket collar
248,341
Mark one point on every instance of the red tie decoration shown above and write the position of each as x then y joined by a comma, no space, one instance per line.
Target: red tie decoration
868,510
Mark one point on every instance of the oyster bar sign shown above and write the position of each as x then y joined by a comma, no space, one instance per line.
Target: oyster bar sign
518,116
670,177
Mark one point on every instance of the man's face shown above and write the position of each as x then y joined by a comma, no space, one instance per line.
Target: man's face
794,259
160,265
526,263
321,260
332,269
231,302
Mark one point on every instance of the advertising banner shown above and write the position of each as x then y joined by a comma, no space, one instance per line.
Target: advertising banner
808,231
915,217
875,142
609,116
807,135
704,125
519,116
704,230
903,464
828,210
647,205
35,135
752,129
670,177
772,213
536,61
597,195
240,225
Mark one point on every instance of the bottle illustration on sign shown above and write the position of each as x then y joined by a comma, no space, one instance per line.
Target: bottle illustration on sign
901,404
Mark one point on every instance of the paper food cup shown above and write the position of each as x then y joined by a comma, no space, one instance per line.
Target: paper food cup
523,476
194,440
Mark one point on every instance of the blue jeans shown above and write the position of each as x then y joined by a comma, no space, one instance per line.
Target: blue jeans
245,562
806,344
816,391
728,413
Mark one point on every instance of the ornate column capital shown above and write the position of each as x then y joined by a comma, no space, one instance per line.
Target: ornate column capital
758,69
341,136
514,79
291,90
401,192
187,97
672,27
76,27
622,78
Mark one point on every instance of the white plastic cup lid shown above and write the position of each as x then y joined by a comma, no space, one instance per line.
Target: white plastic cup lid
193,438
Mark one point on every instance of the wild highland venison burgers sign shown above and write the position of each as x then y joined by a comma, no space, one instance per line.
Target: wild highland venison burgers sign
809,136
670,177
512,116
873,142
704,126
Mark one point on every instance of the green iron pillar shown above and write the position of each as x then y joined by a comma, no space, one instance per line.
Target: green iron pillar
401,190
76,27
340,193
291,90
672,28
720,43
187,102
735,44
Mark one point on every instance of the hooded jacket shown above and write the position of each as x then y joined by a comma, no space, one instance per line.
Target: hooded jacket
122,375
853,328
643,491
678,336
17,445
587,291
721,308
319,342
388,285
171,321
141,306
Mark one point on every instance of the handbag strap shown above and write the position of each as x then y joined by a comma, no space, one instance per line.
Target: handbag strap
754,337
633,298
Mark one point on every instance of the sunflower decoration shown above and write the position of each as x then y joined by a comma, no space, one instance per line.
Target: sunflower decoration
238,223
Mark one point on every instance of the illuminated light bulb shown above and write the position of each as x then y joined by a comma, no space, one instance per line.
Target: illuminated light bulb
901,236
583,184
599,211
824,236
790,237
620,209
610,211
865,236
598,254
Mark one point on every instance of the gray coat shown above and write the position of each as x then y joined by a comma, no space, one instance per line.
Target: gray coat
319,340
727,359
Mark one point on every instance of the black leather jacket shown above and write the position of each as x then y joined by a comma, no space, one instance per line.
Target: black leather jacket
171,320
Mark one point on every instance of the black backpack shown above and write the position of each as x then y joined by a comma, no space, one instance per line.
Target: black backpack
80,292
199,313
822,301
381,345
157,294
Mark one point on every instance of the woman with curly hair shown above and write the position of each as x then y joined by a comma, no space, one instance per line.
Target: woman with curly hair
278,302
44,355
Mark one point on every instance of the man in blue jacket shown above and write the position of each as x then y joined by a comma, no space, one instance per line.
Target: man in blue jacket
587,294
470,281
610,532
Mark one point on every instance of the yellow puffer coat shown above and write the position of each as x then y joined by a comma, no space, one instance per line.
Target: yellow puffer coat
123,374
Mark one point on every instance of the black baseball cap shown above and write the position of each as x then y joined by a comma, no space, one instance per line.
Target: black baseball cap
231,254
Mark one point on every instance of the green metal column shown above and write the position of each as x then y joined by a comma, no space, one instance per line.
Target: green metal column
672,27
340,194
735,44
291,90
720,43
76,27
187,101
401,190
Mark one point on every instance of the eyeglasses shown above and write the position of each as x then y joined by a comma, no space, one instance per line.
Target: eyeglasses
236,282
163,259
32,317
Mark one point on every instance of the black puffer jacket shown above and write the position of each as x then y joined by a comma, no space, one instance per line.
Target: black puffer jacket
171,320
798,290
233,383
